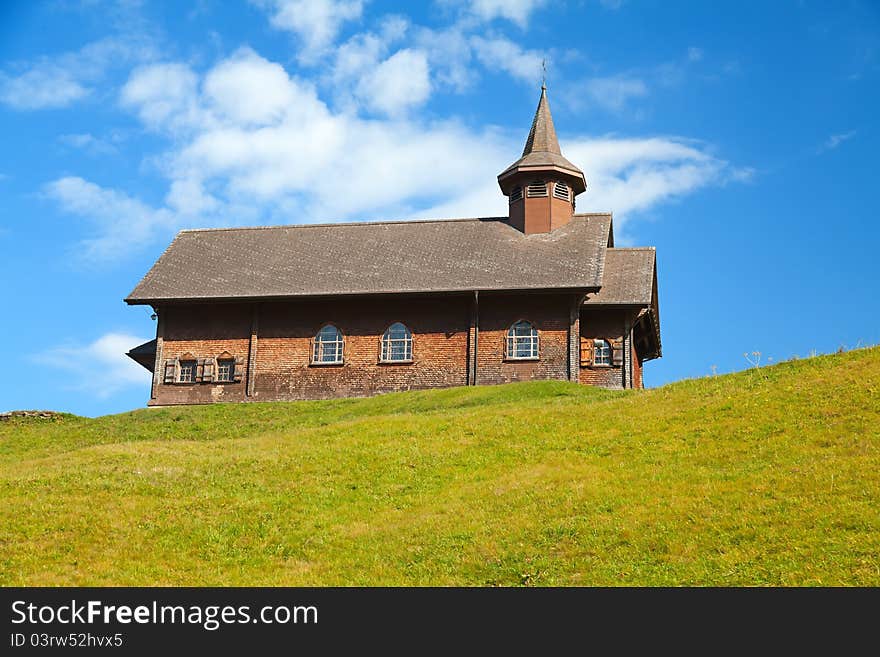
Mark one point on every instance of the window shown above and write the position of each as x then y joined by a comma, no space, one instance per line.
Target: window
516,194
187,372
537,188
560,190
522,341
601,352
225,370
328,346
396,344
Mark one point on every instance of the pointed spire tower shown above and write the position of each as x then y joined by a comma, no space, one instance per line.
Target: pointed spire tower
542,184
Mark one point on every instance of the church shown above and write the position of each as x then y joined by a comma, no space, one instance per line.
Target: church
318,311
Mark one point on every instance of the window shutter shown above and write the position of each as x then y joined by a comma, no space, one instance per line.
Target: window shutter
617,351
200,368
170,370
208,370
239,369
586,351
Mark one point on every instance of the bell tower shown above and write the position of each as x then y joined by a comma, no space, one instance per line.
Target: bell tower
541,186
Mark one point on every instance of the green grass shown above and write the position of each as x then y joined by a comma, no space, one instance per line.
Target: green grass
769,476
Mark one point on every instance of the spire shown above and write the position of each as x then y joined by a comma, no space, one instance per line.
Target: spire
541,186
542,153
542,136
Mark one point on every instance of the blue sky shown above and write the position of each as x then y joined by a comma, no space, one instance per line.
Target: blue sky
740,139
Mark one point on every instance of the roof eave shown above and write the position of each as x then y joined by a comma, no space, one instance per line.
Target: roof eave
158,301
575,176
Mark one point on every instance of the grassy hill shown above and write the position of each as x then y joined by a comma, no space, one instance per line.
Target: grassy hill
769,476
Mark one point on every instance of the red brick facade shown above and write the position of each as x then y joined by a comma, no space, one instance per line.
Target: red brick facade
613,325
274,340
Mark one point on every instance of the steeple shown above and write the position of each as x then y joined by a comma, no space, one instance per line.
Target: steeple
541,184
542,136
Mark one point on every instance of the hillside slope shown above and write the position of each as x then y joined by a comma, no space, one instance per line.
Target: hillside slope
769,476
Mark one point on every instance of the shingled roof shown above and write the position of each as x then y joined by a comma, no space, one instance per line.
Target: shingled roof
628,277
542,150
376,258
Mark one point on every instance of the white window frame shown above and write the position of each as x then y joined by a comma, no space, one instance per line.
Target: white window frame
321,346
386,351
602,354
190,366
221,362
514,340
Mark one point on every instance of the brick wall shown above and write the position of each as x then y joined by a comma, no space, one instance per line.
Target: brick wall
443,336
608,324
440,339
205,331
636,370
549,313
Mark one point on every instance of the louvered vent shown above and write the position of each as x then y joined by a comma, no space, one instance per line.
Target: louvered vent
516,194
537,188
560,190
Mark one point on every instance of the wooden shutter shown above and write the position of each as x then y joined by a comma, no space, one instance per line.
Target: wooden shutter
208,370
617,352
586,351
200,368
170,370
239,369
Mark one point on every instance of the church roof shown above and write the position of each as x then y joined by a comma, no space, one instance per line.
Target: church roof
542,148
628,278
399,257
542,136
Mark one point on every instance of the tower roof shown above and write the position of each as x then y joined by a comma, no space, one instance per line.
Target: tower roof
542,136
542,152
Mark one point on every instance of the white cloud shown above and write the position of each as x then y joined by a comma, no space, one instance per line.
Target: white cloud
624,176
164,96
611,93
500,53
356,57
628,176
695,54
249,90
450,54
99,367
119,220
290,158
315,22
399,83
87,142
836,140
516,11
363,78
54,82
43,87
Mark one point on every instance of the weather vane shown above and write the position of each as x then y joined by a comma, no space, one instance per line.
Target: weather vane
543,74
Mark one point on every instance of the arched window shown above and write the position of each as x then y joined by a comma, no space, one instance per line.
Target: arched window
601,352
522,341
536,188
516,194
328,346
396,344
560,191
